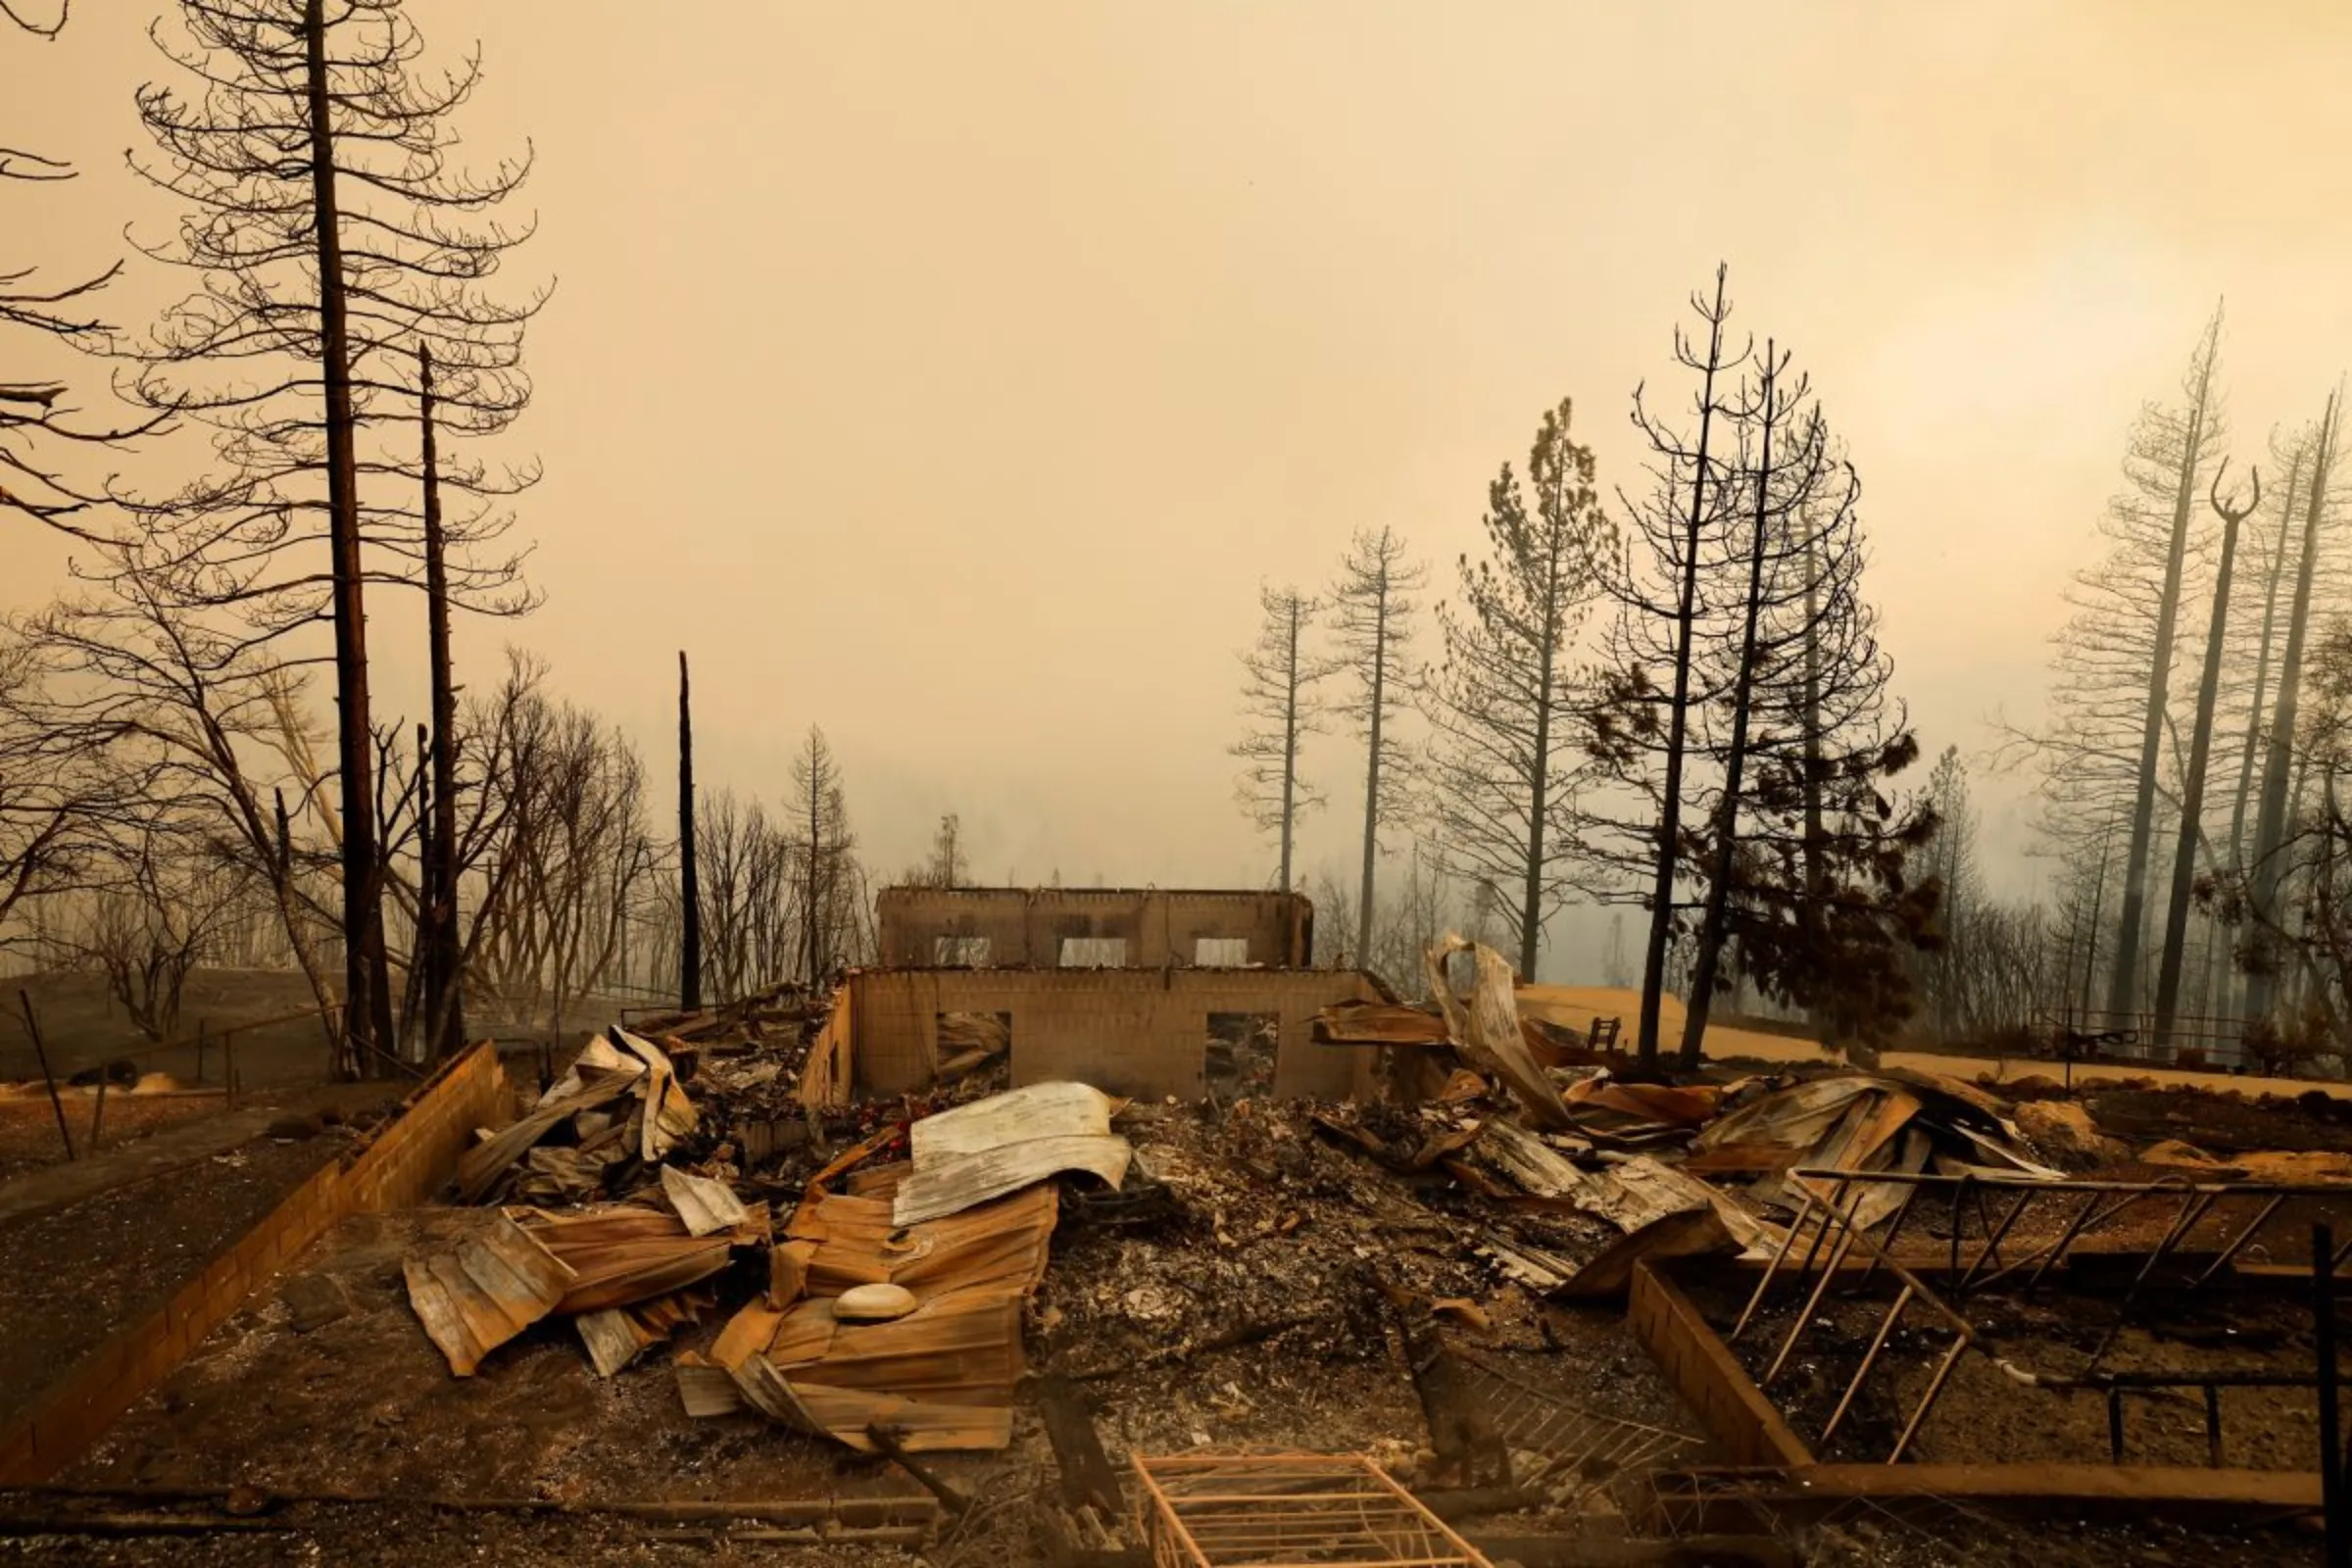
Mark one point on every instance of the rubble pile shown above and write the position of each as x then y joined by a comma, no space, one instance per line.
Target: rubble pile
896,1276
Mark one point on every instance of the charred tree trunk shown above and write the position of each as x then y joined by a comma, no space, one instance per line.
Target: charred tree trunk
2234,1000
2123,981
366,1010
2200,752
1379,703
690,895
1727,828
1816,874
1678,719
1290,738
437,946
2270,827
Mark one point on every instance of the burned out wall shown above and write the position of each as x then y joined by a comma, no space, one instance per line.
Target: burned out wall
1046,928
1124,1031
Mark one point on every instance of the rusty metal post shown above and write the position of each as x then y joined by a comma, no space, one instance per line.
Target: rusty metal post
2331,1447
48,1078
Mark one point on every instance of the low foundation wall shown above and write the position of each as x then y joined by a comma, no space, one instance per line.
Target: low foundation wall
400,1166
1742,1422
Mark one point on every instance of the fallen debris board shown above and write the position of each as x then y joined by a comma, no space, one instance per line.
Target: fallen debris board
612,1339
479,1167
1488,1032
1687,1232
958,1184
480,1294
1007,1142
706,1391
706,1206
1530,1161
667,1113
1380,1023
945,1372
615,1334
1643,1191
1646,1103
625,1253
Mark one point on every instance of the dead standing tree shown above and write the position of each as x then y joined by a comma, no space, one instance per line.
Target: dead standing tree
332,237
2197,426
1373,616
690,897
2294,451
1783,469
1279,699
2270,829
825,845
1822,910
1497,703
2200,752
1639,728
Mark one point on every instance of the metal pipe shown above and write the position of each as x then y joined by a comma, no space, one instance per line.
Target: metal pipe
1869,1359
1927,1401
2331,1450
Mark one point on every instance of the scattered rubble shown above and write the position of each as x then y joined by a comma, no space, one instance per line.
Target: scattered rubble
1404,1283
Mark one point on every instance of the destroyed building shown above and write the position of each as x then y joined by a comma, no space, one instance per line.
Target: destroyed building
1092,928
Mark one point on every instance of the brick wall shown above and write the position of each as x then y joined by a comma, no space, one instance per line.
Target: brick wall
399,1168
1735,1413
1125,1031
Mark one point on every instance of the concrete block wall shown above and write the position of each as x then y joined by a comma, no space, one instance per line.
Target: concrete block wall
399,1168
1744,1423
1125,1031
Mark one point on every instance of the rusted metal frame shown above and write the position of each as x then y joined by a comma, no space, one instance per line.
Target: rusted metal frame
1820,1286
1993,1243
1894,1233
1959,1195
1927,1401
2090,1217
2005,1181
1869,1358
1166,1512
1470,1553
1788,1244
2192,1211
2230,1253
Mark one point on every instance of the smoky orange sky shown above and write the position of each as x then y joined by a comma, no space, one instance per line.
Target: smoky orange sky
950,376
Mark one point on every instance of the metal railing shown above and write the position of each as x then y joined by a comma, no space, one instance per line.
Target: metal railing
1830,1201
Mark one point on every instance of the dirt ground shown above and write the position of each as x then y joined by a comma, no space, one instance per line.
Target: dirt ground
1242,1314
71,1277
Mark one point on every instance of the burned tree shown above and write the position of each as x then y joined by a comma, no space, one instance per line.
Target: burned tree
1279,699
332,238
689,892
2167,457
2200,752
1498,703
1822,908
823,848
2294,453
2270,829
1785,471
1639,724
1373,615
